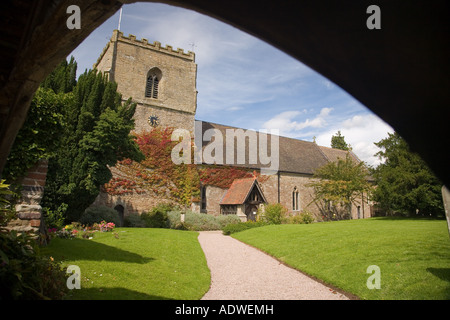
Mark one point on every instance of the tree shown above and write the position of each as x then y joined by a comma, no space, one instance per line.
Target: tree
338,142
39,136
404,181
63,78
340,184
96,135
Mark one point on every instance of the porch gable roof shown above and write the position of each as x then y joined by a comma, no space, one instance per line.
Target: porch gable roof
240,190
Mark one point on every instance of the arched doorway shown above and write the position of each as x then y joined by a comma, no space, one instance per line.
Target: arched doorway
120,210
251,211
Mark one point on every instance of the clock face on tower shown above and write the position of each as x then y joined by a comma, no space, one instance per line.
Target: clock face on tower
153,120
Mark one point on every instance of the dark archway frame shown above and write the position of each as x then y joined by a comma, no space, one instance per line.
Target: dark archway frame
400,72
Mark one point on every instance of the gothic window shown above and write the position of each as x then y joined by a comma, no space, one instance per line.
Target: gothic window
295,199
153,79
203,199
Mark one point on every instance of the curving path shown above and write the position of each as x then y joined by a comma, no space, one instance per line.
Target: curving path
241,272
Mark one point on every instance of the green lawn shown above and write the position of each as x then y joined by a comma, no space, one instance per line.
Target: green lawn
413,255
141,264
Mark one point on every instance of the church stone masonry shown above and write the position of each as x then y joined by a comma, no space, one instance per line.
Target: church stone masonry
162,82
130,62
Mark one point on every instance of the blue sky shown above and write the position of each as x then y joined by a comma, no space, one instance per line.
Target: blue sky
244,82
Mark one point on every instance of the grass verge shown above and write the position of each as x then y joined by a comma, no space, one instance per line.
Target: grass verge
413,255
141,263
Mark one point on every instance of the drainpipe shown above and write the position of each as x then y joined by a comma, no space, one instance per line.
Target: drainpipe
278,174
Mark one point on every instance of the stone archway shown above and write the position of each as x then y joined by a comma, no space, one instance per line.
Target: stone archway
399,72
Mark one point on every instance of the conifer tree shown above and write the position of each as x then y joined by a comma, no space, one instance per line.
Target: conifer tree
338,142
96,135
63,78
405,184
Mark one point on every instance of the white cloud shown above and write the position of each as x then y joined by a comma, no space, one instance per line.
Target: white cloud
289,127
360,131
210,39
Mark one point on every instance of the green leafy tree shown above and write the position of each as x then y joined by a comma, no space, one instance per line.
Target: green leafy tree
338,142
39,136
404,181
340,184
96,135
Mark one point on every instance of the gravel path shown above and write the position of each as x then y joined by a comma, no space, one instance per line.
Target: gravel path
241,272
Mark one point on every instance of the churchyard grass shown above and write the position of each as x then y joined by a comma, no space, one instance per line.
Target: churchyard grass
135,263
413,255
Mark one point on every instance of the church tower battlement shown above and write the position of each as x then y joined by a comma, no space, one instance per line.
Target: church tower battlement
161,80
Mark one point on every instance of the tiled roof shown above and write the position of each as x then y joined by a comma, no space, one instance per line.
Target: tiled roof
295,156
335,154
239,191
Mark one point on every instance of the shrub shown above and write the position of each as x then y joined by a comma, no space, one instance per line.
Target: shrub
305,217
241,226
202,222
157,217
55,218
199,221
174,221
134,220
154,219
273,213
98,214
24,274
227,219
6,209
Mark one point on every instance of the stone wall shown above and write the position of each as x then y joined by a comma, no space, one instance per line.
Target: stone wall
287,183
213,197
132,202
28,209
167,118
135,203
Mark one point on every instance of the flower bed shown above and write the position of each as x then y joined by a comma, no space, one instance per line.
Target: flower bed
75,229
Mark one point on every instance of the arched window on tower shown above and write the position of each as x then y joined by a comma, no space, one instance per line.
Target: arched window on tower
295,199
152,85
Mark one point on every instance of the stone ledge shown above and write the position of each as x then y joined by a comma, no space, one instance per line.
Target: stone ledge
22,208
29,215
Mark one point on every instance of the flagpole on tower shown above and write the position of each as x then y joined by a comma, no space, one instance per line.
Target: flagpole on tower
120,18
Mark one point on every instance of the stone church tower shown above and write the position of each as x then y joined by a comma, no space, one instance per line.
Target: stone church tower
161,81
